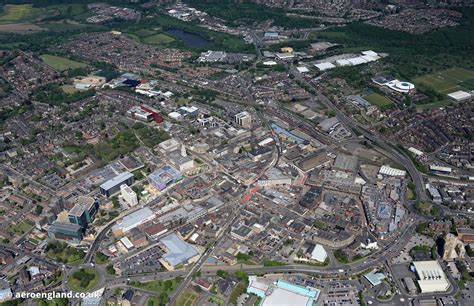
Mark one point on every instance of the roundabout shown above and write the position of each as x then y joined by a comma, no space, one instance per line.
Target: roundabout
83,280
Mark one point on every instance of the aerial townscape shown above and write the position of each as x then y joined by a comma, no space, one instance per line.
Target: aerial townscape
236,152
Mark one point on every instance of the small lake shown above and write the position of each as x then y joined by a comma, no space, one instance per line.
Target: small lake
190,39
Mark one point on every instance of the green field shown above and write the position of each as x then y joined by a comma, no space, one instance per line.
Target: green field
188,298
217,301
61,63
447,81
18,13
69,89
379,100
70,10
20,228
434,105
24,13
469,84
158,39
148,36
166,286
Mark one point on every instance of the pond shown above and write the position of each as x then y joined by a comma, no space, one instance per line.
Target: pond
190,39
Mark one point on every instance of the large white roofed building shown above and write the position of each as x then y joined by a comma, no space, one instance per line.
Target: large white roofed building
431,277
178,252
460,96
133,220
282,292
319,253
386,170
325,66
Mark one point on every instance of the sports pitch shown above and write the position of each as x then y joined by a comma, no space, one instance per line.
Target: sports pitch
379,100
61,63
447,81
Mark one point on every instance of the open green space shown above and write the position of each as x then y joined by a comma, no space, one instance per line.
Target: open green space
437,83
61,63
63,21
101,258
54,94
75,11
468,84
83,280
19,13
188,298
273,263
69,89
434,105
158,39
16,13
153,301
379,100
448,80
122,143
62,252
159,286
236,292
20,228
148,36
216,300
217,40
163,288
457,74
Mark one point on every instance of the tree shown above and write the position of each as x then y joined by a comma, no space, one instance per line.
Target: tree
164,298
38,210
115,202
222,273
168,284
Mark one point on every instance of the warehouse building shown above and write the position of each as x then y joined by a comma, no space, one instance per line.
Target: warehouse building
133,220
431,277
177,252
282,292
440,169
325,66
389,171
459,96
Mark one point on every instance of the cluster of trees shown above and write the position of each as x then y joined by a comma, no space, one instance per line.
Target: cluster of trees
150,137
203,95
61,252
5,88
237,13
8,113
101,258
123,143
110,269
83,277
54,95
341,256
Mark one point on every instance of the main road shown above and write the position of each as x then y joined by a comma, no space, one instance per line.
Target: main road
377,140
